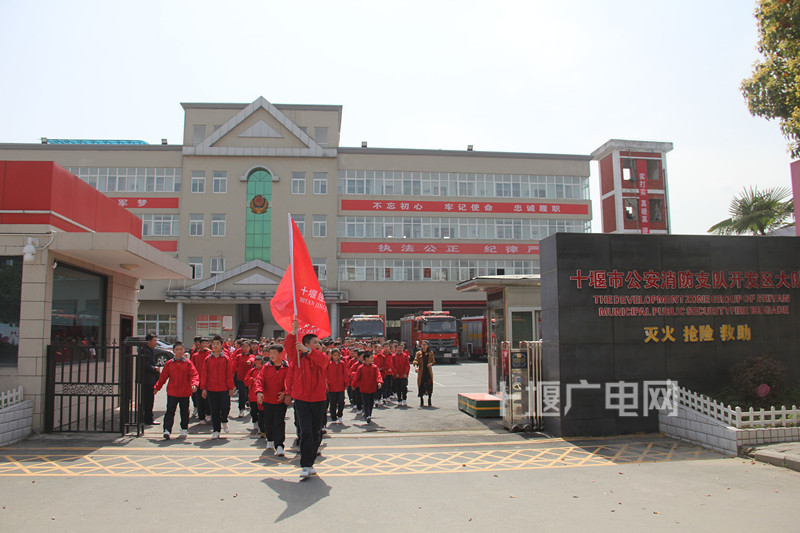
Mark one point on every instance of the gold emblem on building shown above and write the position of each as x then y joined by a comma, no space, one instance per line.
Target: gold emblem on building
259,204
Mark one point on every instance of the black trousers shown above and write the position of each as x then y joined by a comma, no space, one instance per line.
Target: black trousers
401,388
242,388
359,399
274,417
169,416
201,404
368,398
220,403
256,416
147,402
336,404
311,418
388,386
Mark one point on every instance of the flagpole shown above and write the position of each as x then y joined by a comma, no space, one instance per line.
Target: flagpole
291,268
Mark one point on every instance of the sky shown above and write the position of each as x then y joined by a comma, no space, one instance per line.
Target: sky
536,76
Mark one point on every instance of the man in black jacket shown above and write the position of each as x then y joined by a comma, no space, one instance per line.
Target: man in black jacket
150,376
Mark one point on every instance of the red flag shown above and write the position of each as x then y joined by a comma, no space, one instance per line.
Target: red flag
301,297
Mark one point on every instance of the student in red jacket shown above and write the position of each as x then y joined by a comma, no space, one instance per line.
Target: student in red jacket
198,358
255,409
216,381
242,363
387,372
270,389
183,381
369,380
306,384
402,366
337,382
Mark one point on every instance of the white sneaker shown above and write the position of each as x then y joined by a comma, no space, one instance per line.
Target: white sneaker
312,471
269,445
225,428
304,473
279,451
207,419
241,413
215,435
184,433
339,421
166,435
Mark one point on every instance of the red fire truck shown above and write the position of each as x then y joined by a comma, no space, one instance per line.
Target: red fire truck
439,328
474,336
364,326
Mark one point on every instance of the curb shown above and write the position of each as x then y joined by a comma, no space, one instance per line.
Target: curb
785,460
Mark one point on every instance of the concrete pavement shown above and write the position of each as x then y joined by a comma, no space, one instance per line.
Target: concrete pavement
405,472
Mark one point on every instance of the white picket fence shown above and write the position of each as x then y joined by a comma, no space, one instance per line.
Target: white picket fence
12,397
735,416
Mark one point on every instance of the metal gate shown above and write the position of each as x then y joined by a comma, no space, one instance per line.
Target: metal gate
90,388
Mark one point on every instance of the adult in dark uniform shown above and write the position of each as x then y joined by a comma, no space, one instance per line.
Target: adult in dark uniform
149,377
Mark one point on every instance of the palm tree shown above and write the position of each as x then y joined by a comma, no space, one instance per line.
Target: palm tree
756,212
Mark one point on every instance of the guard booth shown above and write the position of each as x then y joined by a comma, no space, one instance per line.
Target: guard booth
521,397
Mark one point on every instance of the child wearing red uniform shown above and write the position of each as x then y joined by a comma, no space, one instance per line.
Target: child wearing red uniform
402,366
216,381
337,383
255,409
369,380
183,381
270,387
198,359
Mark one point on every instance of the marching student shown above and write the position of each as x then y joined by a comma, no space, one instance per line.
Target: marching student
306,384
369,380
242,360
337,382
183,381
387,371
270,388
198,360
402,366
216,381
256,415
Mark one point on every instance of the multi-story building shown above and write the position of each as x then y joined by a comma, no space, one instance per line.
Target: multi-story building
390,231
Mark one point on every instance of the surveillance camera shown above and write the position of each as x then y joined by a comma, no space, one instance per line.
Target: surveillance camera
141,286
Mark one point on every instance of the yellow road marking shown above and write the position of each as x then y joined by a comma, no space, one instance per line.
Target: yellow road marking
244,462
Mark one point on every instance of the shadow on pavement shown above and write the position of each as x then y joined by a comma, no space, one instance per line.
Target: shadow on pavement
298,495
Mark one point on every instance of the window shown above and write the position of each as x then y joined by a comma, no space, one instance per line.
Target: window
321,136
220,182
631,209
196,224
199,134
130,179
320,183
320,225
198,181
391,182
217,266
11,274
298,182
300,220
197,267
218,225
320,268
656,210
159,225
161,325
